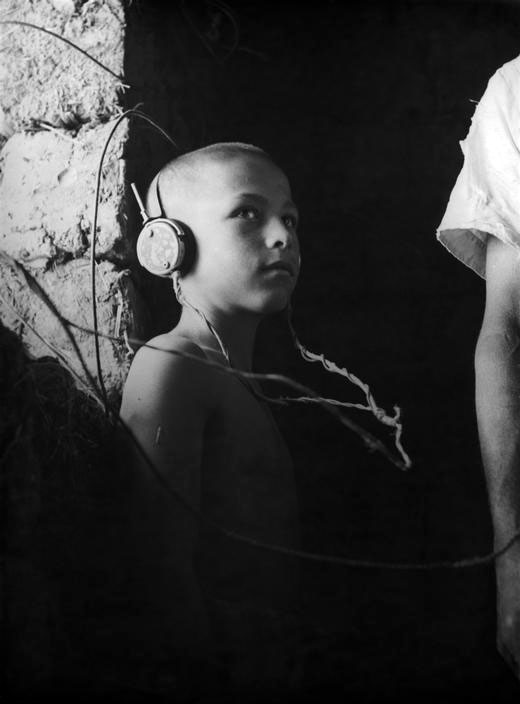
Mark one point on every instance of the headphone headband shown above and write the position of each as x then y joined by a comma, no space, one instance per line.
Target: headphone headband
161,244
158,194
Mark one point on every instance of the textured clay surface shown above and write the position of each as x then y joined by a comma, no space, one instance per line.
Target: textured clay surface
65,291
42,79
48,188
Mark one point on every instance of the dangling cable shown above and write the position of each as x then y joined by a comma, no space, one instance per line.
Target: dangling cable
117,122
371,405
372,442
183,301
322,558
65,41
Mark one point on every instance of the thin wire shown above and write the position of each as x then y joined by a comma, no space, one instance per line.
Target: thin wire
373,443
66,41
322,558
35,287
270,547
379,413
331,401
182,300
55,350
227,11
370,440
188,19
137,113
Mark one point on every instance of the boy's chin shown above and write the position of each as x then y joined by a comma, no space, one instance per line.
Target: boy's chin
275,305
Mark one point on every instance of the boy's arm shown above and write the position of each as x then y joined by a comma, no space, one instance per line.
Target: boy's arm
497,366
166,407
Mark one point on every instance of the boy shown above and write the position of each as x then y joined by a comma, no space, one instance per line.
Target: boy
481,227
208,433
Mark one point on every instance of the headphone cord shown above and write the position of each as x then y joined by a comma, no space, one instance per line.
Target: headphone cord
134,112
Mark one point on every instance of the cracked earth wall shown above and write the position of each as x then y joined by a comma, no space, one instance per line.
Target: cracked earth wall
55,108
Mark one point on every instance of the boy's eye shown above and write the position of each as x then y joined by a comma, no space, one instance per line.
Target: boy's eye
290,221
247,213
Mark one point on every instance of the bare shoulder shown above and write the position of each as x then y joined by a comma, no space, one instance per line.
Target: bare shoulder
502,280
169,369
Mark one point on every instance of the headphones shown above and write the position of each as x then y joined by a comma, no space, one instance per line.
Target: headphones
163,243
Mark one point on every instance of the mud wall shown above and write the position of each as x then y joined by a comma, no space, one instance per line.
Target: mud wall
56,105
55,108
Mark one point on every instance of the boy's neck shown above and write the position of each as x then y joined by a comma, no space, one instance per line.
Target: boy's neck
236,331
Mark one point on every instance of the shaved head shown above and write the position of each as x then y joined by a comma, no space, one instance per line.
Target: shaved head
237,207
181,180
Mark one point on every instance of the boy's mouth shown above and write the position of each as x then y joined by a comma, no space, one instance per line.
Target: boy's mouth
279,265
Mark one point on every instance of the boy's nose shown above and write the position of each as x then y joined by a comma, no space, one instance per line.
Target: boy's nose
280,237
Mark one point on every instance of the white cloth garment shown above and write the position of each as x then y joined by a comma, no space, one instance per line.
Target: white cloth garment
486,197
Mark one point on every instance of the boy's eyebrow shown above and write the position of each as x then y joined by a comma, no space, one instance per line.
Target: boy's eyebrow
264,200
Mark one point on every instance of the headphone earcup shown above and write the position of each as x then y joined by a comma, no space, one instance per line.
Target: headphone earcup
161,246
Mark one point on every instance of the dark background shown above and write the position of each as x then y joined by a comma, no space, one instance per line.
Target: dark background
363,106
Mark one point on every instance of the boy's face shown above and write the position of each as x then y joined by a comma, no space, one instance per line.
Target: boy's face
244,223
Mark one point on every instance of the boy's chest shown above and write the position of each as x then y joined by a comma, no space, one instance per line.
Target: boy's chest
247,472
